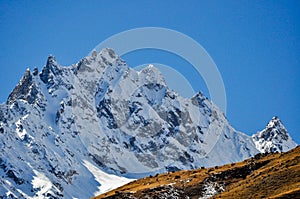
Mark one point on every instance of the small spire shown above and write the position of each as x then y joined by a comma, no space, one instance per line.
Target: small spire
51,60
94,54
35,71
27,73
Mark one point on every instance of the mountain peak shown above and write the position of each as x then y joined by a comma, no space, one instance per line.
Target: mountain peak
25,89
51,68
275,124
108,54
51,61
106,57
151,74
275,121
151,69
273,138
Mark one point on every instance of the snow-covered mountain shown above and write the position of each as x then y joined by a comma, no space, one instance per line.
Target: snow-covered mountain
274,138
72,132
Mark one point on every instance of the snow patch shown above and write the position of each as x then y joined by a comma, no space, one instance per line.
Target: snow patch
41,183
107,181
211,189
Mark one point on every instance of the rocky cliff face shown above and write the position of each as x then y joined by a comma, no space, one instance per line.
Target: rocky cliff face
67,127
25,90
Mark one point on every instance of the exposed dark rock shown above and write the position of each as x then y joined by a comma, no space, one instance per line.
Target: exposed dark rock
1,129
172,168
200,100
50,70
11,174
2,164
35,71
26,90
103,110
174,117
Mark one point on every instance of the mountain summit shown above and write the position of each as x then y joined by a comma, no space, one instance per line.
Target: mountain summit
274,138
77,131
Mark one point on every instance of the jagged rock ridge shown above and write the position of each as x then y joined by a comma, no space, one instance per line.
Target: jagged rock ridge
67,127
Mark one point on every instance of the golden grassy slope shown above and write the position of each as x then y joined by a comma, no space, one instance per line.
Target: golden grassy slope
278,179
265,176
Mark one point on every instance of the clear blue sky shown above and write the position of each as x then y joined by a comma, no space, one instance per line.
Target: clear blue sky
255,44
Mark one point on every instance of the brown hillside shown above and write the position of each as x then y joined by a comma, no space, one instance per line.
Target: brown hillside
264,176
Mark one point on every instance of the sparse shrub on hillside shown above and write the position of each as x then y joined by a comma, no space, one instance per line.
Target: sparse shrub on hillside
257,156
256,179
